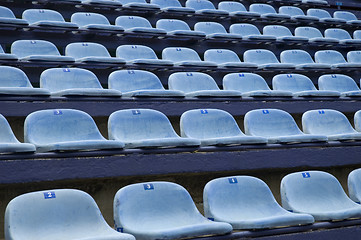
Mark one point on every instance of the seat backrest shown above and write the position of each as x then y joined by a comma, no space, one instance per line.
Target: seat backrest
60,125
132,21
6,12
337,82
357,34
200,4
191,81
132,52
166,3
326,122
357,120
209,27
208,123
320,13
244,82
139,124
259,56
85,18
13,77
308,32
86,49
60,212
329,57
123,2
231,6
291,11
24,48
337,33
348,16
132,80
261,8
354,56
292,82
172,25
177,54
270,123
296,56
36,15
244,29
221,56
6,133
277,31
354,186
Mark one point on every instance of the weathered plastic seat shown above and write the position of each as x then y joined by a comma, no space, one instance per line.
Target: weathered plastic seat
342,36
319,194
139,5
173,7
61,213
216,31
167,212
302,60
267,12
138,26
314,36
354,186
283,34
297,14
227,59
47,18
265,59
178,29
7,18
94,22
357,120
145,128
237,10
247,203
324,16
354,56
205,7
250,33
341,83
357,34
348,16
335,59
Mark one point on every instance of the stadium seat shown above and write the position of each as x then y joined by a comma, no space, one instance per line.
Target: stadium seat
227,59
357,34
268,12
247,203
214,127
319,194
94,22
7,56
186,57
324,16
167,212
354,186
38,50
266,60
67,82
172,7
179,29
297,14
354,56
8,19
138,26
314,36
61,213
143,56
205,7
335,59
349,17
250,33
145,128
283,34
300,86
139,5
277,126
197,84
251,85
46,18
341,83
98,3
216,31
65,130
139,83
88,52
302,60
329,122
342,36
237,10
357,120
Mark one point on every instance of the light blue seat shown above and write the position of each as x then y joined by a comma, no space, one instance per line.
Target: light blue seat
348,16
65,130
145,128
185,57
354,186
47,18
139,5
329,122
250,32
227,59
94,22
319,194
265,59
251,85
357,34
283,34
247,203
140,55
139,83
112,3
61,213
237,10
324,16
205,7
341,83
7,18
197,84
277,126
7,56
178,29
167,212
88,52
354,56
267,12
342,36
357,121
14,81
216,31
173,7
214,127
302,60
314,36
38,50
300,86
297,14
138,26
335,59
68,82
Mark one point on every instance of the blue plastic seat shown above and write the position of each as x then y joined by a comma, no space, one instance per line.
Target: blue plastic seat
357,34
214,127
88,52
302,60
268,12
7,56
140,55
216,31
357,120
283,34
300,86
277,126
324,16
138,26
197,84
250,33
205,7
227,59
247,203
342,36
251,85
314,36
354,186
139,83
179,29
265,59
139,5
38,50
7,18
341,83
297,14
185,57
335,59
354,56
173,7
46,18
108,3
61,213
94,22
237,10
167,212
145,128
348,16
65,130
331,123
319,194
